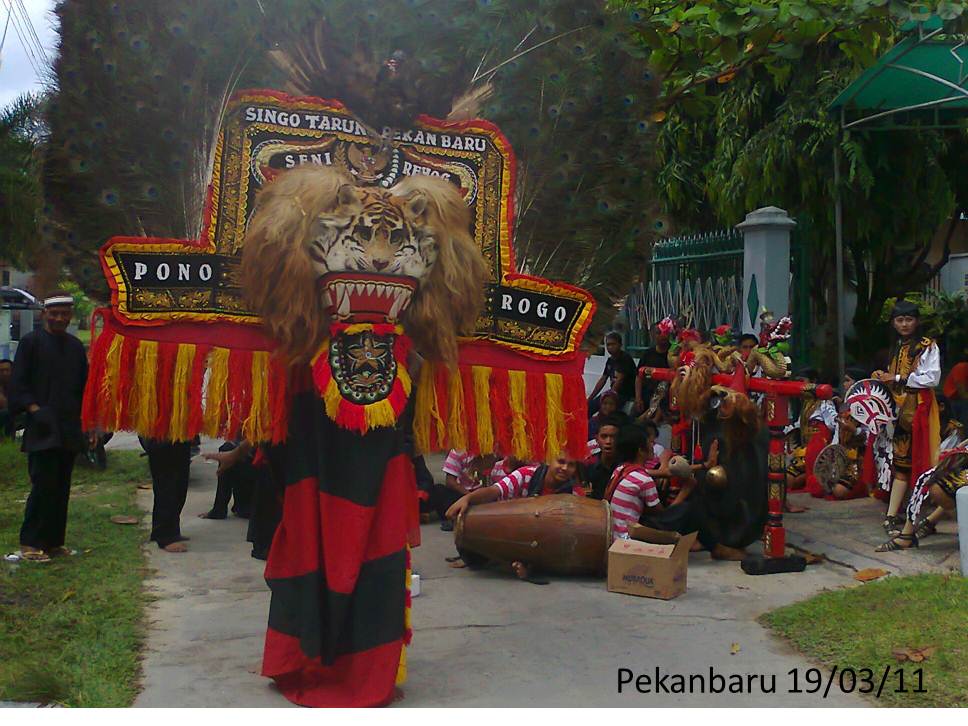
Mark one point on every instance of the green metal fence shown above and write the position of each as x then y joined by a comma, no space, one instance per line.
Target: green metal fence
700,274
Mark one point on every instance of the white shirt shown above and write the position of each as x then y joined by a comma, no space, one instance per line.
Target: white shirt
927,374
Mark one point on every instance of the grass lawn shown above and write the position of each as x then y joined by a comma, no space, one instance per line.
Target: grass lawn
858,627
71,630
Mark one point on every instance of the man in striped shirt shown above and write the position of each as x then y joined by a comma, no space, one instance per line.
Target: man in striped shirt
463,473
558,477
631,488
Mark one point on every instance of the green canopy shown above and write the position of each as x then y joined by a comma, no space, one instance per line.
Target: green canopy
919,82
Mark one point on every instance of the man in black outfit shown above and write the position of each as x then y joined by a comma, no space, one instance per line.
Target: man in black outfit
169,462
655,357
619,373
49,373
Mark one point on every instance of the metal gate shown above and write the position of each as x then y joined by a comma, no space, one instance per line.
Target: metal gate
700,276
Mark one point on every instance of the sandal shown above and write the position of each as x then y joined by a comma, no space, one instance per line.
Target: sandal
35,556
61,552
892,525
924,528
893,545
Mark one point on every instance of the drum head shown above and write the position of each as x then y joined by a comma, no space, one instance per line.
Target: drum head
871,404
831,465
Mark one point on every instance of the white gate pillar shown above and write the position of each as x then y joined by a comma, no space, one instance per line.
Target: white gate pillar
766,265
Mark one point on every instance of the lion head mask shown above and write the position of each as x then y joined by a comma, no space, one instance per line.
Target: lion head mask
315,234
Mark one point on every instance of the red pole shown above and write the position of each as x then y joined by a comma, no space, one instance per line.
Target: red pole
777,417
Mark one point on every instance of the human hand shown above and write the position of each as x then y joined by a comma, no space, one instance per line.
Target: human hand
92,439
33,408
713,454
458,507
225,459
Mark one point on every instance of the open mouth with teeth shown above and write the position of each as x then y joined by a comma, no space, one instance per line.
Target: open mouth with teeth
366,297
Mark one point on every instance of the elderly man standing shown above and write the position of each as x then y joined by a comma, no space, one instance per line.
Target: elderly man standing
49,373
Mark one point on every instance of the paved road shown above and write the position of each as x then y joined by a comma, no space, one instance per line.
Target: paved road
480,638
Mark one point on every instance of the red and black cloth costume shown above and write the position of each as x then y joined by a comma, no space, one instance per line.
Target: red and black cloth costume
338,568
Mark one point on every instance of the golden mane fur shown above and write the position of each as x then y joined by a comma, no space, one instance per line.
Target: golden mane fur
280,281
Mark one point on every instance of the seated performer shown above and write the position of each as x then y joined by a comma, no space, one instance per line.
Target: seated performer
633,496
463,473
860,476
608,405
560,476
939,485
602,461
952,438
914,371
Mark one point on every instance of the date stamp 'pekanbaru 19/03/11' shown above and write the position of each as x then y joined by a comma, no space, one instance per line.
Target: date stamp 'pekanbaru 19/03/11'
865,681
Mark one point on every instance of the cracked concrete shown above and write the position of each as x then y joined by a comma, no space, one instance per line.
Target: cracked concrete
482,638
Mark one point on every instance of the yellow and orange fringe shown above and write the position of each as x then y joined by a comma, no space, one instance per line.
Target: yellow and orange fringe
175,391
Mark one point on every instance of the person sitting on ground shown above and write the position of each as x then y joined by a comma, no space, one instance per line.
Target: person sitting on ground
632,488
503,467
634,499
860,476
851,376
939,486
952,434
601,462
463,473
619,373
608,404
559,476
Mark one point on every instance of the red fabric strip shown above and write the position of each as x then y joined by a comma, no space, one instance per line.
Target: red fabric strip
921,435
501,410
280,399
536,413
129,351
92,407
443,405
239,390
195,414
167,352
576,412
356,680
819,440
470,409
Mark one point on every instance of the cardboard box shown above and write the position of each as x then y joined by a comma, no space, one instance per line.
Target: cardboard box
651,564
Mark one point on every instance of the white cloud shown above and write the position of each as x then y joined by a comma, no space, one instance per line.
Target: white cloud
17,75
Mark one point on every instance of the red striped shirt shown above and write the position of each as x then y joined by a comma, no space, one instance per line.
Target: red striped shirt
635,491
516,483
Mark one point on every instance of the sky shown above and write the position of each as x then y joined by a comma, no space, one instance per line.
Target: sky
16,74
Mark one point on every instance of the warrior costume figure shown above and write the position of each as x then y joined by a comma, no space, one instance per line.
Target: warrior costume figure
915,370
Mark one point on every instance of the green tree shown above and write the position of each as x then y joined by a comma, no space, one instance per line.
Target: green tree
21,137
746,87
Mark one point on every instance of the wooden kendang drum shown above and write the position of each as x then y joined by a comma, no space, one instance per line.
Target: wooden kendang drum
560,533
